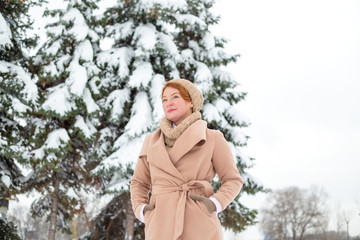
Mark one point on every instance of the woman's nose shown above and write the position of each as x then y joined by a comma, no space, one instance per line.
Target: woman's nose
169,103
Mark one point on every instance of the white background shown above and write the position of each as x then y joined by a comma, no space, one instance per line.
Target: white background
300,64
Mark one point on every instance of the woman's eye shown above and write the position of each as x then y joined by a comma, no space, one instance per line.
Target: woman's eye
164,100
176,96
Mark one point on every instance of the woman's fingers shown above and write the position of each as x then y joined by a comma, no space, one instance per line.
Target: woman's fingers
196,197
207,202
149,207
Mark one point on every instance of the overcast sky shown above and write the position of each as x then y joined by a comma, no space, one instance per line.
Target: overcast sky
300,64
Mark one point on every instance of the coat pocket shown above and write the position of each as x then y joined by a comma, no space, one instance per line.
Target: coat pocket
203,208
149,213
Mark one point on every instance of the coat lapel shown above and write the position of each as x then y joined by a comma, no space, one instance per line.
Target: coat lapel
195,133
159,157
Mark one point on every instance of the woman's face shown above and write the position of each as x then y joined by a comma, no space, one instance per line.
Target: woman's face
175,107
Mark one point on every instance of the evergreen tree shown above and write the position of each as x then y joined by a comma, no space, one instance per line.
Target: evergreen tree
155,41
64,126
8,230
18,93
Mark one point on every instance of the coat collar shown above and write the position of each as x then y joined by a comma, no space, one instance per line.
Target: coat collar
159,157
193,135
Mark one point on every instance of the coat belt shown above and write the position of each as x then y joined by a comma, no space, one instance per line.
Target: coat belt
180,208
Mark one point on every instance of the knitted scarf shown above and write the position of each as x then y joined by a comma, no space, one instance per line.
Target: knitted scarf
171,134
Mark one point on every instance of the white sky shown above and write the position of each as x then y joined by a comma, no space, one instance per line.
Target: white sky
300,64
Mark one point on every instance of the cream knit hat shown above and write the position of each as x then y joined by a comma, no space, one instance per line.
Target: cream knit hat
195,94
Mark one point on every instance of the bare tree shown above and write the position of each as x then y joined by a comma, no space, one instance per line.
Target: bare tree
291,212
347,215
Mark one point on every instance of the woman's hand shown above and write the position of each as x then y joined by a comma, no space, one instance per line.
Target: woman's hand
208,203
149,207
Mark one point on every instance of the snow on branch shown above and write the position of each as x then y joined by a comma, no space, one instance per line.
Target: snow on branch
142,75
56,138
118,58
80,29
5,32
59,101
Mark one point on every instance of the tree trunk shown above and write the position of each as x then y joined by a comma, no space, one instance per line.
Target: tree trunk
54,210
347,230
130,219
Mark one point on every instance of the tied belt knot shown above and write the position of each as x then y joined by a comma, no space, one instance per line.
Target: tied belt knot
185,187
180,208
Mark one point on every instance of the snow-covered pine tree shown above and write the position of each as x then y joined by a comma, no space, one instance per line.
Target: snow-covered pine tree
65,124
18,93
155,41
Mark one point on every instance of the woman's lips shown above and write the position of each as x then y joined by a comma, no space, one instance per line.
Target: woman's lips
171,110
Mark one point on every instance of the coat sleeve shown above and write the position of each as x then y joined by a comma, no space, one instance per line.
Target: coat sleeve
224,166
140,183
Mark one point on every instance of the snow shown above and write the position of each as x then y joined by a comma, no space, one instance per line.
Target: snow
53,48
237,135
19,106
117,183
237,152
121,30
93,83
155,94
71,193
38,153
51,69
221,105
117,58
105,134
3,142
195,47
174,73
28,90
203,77
189,20
59,100
223,75
80,29
210,113
56,139
208,41
84,51
140,116
145,36
77,79
6,180
116,101
5,32
216,53
173,4
168,44
127,153
186,55
142,75
235,113
86,127
128,145
229,235
62,61
91,106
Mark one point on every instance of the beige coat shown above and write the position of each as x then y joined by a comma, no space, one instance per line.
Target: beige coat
171,176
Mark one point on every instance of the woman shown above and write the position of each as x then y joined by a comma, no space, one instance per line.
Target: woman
176,165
